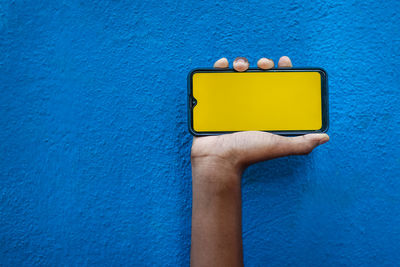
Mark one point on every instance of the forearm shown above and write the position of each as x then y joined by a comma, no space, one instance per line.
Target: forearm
216,214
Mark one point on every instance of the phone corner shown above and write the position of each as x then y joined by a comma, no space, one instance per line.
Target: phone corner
324,128
322,72
192,72
192,131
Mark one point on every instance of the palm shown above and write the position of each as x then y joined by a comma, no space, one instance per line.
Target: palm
250,147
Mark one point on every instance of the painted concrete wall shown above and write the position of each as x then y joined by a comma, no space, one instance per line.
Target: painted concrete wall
95,150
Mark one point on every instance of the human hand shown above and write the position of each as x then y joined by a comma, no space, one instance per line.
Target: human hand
217,166
238,150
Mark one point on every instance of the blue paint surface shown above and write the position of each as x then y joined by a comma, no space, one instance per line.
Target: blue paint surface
94,145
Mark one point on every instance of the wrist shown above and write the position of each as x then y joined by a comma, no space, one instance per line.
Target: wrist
215,174
214,164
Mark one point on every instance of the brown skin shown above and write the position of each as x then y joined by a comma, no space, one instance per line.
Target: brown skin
217,166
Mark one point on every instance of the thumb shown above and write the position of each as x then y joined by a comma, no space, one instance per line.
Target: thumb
302,145
260,146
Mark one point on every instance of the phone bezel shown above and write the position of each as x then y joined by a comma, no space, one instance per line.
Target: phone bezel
324,99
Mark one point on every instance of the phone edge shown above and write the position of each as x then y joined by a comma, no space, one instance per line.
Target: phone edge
325,123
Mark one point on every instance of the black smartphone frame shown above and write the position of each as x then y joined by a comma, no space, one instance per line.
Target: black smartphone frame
324,99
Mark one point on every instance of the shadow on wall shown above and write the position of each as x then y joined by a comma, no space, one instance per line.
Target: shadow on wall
276,186
281,169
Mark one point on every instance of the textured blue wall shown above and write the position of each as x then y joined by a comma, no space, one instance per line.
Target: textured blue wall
95,150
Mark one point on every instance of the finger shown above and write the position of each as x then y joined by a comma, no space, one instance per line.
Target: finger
265,63
302,145
241,64
265,146
221,63
285,62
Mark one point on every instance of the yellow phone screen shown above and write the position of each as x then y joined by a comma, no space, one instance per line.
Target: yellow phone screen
263,101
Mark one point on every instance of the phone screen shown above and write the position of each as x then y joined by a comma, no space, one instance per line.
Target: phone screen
258,100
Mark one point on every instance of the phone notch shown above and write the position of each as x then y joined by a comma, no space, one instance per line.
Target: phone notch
193,102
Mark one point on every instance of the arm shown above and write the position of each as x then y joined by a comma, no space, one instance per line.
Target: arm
216,216
217,166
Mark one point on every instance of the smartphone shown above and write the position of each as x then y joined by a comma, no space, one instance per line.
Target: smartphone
281,101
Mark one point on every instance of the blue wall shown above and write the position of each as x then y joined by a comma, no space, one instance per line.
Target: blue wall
95,150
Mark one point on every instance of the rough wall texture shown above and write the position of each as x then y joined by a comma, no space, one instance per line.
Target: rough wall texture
95,150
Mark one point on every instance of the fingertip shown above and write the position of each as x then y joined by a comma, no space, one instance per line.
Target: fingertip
265,63
318,138
304,144
285,62
240,64
221,63
324,139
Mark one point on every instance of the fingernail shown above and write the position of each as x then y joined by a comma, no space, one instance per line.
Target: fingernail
241,60
265,63
266,60
240,64
323,141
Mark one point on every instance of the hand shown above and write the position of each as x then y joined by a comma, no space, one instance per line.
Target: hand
217,166
244,148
